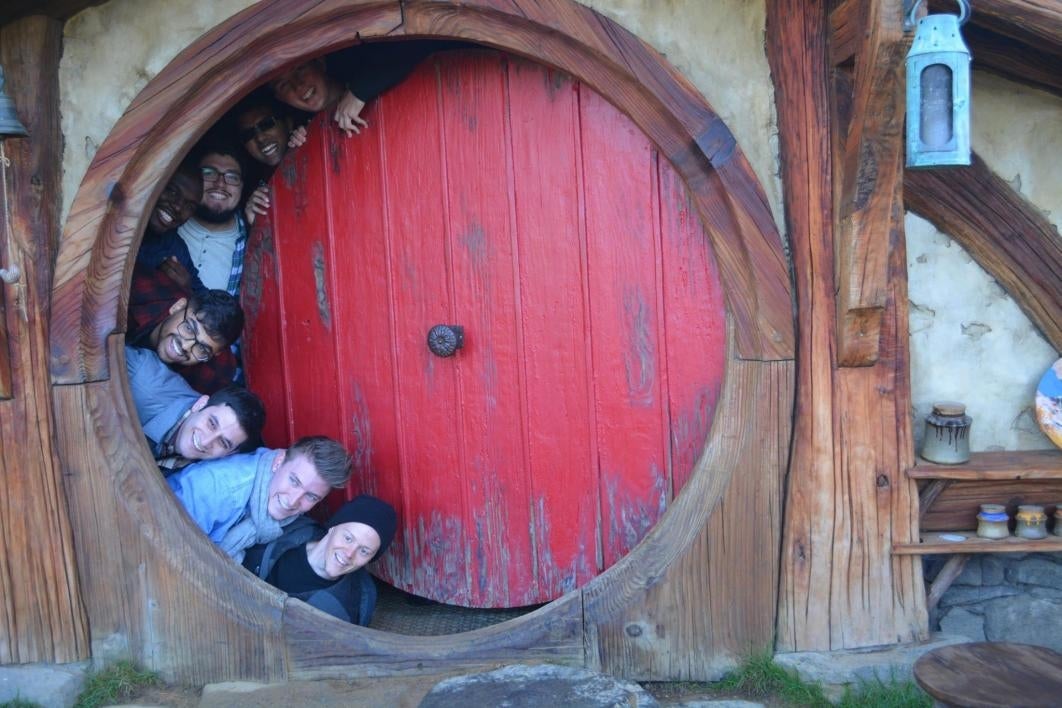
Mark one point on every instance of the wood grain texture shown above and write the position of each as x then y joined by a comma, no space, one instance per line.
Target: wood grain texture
942,542
847,25
957,506
848,499
687,603
1007,236
991,675
998,465
177,105
41,615
180,608
868,208
320,646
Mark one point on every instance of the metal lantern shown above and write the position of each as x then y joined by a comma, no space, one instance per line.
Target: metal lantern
938,91
9,122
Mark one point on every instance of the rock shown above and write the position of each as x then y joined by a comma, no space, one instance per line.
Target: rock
991,570
1036,570
838,668
1025,619
50,685
971,573
538,685
963,623
968,595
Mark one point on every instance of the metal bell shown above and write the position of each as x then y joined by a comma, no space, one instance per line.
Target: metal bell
9,122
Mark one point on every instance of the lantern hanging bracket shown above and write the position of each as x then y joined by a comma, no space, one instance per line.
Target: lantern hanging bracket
910,9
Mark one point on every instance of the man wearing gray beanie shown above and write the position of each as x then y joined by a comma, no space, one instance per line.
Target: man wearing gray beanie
324,566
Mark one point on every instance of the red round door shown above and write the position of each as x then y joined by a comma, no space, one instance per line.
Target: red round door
502,198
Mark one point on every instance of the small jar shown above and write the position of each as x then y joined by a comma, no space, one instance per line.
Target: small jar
1032,522
992,521
1058,519
947,438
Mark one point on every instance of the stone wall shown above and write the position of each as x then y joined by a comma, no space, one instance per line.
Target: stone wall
1009,597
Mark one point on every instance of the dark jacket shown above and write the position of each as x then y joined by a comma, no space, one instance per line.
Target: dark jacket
352,598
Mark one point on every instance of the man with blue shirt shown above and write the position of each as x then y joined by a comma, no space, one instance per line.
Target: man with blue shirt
183,426
243,500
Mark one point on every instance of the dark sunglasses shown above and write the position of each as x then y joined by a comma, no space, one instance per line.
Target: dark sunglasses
267,123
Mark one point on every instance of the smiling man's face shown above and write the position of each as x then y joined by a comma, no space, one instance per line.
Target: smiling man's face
209,432
264,135
295,487
306,87
177,203
220,197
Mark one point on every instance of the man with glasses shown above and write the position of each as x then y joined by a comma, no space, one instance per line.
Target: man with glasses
182,426
217,235
191,334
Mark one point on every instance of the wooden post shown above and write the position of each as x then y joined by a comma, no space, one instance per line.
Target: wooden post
848,497
41,615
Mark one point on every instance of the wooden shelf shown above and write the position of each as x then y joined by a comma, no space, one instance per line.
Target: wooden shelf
936,542
995,466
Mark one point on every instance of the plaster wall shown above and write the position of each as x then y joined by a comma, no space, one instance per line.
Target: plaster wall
111,52
969,340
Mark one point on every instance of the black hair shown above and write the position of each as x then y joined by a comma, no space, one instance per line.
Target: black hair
219,313
250,413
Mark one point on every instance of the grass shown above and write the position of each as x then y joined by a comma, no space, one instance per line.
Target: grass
759,677
20,703
114,684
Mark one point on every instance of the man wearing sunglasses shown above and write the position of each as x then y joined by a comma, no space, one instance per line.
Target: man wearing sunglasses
267,130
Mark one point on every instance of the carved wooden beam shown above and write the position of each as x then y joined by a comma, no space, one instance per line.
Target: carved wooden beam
1020,40
846,27
870,169
1009,237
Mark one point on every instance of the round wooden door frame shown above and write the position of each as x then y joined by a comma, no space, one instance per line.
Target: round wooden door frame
116,481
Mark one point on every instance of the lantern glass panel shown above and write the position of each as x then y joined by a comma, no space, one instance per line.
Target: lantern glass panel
936,110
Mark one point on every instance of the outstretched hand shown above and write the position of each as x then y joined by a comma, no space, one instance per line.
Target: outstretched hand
177,273
297,137
348,114
258,203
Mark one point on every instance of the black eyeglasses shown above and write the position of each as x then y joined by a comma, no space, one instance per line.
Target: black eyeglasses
263,125
211,174
188,329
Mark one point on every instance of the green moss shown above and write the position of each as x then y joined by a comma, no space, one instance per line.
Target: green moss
115,683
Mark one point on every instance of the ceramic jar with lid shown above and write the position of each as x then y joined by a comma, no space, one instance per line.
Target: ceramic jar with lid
992,521
947,438
1032,522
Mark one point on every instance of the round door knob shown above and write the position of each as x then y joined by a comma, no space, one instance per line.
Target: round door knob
445,340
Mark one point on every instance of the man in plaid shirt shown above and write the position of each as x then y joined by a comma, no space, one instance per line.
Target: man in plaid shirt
160,310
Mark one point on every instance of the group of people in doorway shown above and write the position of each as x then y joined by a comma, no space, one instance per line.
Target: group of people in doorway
202,424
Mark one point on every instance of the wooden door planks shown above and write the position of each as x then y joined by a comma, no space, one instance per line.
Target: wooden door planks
149,596
848,496
41,615
687,612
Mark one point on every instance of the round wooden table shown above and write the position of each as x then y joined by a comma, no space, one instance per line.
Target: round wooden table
992,675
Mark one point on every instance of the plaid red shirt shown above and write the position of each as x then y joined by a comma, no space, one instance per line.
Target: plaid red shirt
150,296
